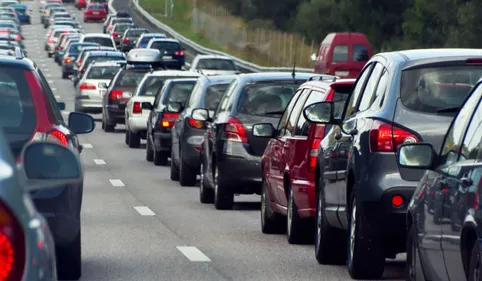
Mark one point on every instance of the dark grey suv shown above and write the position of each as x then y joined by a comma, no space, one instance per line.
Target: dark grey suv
399,97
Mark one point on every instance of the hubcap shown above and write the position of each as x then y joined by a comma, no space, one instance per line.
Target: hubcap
318,223
352,231
290,212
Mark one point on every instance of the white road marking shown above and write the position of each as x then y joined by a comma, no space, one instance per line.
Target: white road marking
42,60
53,89
65,112
57,97
51,81
48,74
116,183
144,211
44,64
99,162
193,254
87,145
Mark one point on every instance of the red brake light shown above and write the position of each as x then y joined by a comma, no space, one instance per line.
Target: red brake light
179,53
18,37
136,109
317,132
57,48
195,124
168,119
110,27
58,137
126,40
114,34
87,86
12,245
50,41
234,131
79,63
115,94
387,138
397,201
67,60
138,47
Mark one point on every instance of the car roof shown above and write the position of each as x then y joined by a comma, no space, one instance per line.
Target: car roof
107,63
99,53
270,76
97,35
12,61
153,34
215,79
327,82
173,73
420,54
165,40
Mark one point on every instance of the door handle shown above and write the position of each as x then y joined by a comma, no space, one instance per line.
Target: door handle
466,182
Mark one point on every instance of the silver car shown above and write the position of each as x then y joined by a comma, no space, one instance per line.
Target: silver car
25,234
93,84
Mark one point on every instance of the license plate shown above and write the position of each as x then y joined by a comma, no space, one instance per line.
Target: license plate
166,57
95,13
341,73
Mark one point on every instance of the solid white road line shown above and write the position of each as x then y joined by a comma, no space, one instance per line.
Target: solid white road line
144,211
116,183
87,145
99,162
193,254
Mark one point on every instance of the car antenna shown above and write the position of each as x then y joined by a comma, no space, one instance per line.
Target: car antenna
293,74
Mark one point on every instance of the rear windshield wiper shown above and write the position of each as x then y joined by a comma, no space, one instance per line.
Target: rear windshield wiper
273,112
448,109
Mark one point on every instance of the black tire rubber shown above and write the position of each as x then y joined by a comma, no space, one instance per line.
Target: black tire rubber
160,158
206,191
149,151
187,176
65,75
368,258
134,140
475,262
410,272
271,222
49,55
174,170
126,137
299,230
69,260
223,196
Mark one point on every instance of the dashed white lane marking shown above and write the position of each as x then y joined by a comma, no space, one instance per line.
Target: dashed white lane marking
144,211
48,74
51,81
193,254
99,162
57,97
87,145
66,112
53,89
116,183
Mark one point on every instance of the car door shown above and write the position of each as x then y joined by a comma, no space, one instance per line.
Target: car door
152,119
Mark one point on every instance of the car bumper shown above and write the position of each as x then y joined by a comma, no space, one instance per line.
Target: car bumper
68,68
137,124
87,104
190,151
241,173
115,114
162,141
305,197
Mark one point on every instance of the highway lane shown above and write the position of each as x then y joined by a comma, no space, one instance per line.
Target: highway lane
121,242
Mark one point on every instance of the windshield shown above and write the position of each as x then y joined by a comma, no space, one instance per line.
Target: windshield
131,77
431,89
103,72
165,46
103,41
76,48
179,92
216,64
153,84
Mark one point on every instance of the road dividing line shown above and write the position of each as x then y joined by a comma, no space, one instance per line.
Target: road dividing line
48,75
116,183
99,162
51,81
57,97
144,211
87,145
193,254
53,89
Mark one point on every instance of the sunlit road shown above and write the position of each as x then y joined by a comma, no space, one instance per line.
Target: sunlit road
136,222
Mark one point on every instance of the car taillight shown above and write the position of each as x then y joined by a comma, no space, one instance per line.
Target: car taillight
195,124
55,136
115,95
67,60
87,86
179,53
114,34
168,119
12,245
57,48
18,37
317,132
387,138
136,109
234,131
126,40
110,27
50,41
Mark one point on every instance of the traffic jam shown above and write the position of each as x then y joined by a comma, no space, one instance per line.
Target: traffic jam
383,161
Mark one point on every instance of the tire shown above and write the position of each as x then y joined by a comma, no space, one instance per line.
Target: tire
271,222
206,192
149,151
223,197
413,267
69,260
174,170
134,140
298,230
159,158
187,176
330,242
49,55
475,263
64,75
126,137
367,260
108,128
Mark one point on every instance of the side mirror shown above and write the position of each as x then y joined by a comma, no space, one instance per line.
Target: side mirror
263,130
200,114
319,113
49,165
146,105
416,156
61,105
102,85
81,123
175,107
75,79
313,57
127,95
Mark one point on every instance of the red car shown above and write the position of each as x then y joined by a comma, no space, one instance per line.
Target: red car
95,12
289,162
80,4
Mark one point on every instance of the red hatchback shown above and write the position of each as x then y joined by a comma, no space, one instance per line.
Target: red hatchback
95,12
289,161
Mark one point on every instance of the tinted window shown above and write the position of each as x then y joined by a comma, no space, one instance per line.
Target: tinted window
223,104
103,41
360,82
103,72
216,64
295,113
303,126
121,28
433,88
90,59
146,39
130,78
289,108
96,7
179,92
471,147
339,100
135,33
213,95
340,53
76,48
165,46
369,92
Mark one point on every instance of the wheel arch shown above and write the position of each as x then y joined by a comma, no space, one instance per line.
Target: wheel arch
468,238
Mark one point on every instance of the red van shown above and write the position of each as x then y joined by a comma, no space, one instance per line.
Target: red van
343,54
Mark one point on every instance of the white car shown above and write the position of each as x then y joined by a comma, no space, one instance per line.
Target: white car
54,37
136,117
93,85
214,65
99,38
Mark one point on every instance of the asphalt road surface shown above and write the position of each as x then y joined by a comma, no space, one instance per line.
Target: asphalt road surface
139,225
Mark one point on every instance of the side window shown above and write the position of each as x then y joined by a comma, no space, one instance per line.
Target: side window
284,119
158,97
381,88
360,53
340,53
369,92
453,139
223,104
357,90
472,145
303,126
50,97
295,113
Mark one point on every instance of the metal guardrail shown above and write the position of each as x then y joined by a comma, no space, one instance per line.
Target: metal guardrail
202,50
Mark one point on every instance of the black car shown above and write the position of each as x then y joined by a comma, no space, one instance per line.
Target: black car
129,39
171,51
231,155
119,29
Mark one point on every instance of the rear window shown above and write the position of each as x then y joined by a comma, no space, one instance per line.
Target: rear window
153,84
216,64
103,41
179,92
146,39
213,95
17,112
131,78
135,33
165,46
96,7
121,28
120,20
103,72
340,53
360,53
90,59
267,98
436,89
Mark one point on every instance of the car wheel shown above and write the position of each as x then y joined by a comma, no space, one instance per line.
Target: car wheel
134,140
49,55
475,263
298,230
206,192
103,124
174,170
108,128
126,137
64,75
159,157
271,222
149,151
187,176
366,259
69,260
330,242
223,197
